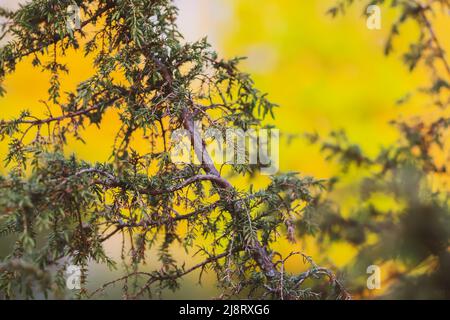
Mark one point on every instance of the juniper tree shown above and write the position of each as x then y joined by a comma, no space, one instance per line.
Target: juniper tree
60,210
415,233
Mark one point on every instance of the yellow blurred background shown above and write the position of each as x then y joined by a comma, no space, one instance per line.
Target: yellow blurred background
325,74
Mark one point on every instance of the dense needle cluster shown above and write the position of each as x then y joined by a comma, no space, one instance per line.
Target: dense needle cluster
59,210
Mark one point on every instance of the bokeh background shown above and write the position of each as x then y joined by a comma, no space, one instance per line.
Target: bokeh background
326,74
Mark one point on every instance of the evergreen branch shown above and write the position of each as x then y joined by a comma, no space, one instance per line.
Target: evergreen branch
44,44
113,182
71,115
177,275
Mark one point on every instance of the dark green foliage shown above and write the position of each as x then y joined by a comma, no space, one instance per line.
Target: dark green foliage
63,210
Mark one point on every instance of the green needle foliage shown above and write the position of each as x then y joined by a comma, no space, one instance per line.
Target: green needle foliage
60,210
